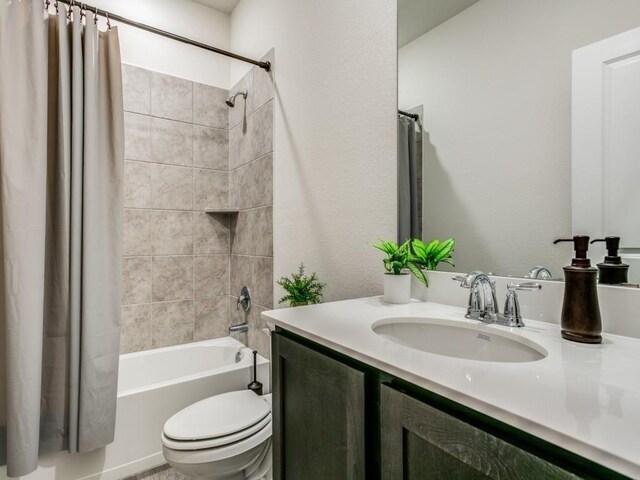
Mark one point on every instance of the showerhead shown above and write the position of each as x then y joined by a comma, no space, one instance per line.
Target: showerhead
231,101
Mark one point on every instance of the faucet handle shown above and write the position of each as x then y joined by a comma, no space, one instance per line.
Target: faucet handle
512,316
511,287
459,278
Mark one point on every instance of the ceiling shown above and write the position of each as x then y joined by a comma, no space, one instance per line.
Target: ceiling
417,17
225,6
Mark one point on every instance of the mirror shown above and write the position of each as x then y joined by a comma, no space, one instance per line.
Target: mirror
494,165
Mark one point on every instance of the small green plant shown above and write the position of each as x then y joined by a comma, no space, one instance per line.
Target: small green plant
398,256
415,256
301,289
430,255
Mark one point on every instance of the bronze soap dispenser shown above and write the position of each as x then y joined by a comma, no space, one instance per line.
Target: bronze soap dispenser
581,321
612,270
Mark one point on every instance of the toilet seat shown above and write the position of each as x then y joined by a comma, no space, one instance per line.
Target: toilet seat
215,441
217,421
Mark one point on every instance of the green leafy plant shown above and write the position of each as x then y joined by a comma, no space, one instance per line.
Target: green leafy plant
416,256
301,289
429,255
398,256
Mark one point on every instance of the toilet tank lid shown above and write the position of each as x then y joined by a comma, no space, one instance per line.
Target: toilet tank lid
217,416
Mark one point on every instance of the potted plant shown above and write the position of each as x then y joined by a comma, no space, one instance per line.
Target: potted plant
413,256
428,256
397,280
301,289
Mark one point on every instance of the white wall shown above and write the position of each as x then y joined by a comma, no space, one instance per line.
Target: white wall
335,132
495,82
160,54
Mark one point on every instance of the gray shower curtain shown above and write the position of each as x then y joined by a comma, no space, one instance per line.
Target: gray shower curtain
408,194
61,170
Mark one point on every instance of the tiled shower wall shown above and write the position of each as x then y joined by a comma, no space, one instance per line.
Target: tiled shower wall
251,190
178,264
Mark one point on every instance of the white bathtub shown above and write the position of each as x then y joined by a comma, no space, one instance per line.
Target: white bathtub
152,386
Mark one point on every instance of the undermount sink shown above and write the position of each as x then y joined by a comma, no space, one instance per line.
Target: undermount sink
455,339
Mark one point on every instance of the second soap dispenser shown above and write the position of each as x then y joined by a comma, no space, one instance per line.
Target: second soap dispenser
580,320
612,270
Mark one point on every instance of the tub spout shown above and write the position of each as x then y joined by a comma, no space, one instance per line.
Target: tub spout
239,328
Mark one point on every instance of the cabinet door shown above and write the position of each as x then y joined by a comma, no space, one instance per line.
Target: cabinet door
318,415
421,442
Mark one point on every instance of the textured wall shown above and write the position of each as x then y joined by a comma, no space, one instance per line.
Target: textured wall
335,133
251,190
182,158
495,82
176,265
182,17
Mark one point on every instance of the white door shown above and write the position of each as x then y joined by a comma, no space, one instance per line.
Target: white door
606,145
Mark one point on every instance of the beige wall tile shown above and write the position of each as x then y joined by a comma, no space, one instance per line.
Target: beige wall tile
243,107
172,232
171,97
136,89
263,89
210,233
135,328
252,232
172,278
136,280
210,147
171,187
209,104
210,275
263,130
210,189
137,232
171,142
211,318
241,143
172,323
137,137
257,274
251,185
137,184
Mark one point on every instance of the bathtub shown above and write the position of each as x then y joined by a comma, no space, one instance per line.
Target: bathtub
152,386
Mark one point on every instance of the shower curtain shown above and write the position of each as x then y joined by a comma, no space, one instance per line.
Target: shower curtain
61,195
408,194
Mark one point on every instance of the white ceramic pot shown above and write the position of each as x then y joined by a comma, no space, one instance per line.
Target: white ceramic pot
397,288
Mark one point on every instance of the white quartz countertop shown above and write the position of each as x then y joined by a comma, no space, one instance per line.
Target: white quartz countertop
584,398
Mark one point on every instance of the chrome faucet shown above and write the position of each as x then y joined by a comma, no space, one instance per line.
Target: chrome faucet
540,272
483,303
244,301
239,328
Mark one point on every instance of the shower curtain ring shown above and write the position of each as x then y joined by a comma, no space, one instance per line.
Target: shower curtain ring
108,21
72,3
55,4
46,5
95,16
83,12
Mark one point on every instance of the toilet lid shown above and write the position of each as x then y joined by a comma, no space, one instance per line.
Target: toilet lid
217,416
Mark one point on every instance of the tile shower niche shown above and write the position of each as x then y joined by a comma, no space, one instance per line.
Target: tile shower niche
188,154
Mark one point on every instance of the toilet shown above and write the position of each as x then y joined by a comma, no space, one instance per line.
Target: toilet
227,436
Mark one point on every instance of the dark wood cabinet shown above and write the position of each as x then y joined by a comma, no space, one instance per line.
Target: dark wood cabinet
335,418
420,442
318,415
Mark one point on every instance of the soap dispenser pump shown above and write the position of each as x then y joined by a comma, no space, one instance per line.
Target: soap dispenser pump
580,320
612,270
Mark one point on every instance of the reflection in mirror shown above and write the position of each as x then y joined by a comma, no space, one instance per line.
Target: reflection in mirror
492,82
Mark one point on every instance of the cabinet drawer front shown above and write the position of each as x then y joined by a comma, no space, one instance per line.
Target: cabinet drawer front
319,415
422,442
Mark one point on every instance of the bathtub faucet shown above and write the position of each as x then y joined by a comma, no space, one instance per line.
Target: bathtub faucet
239,328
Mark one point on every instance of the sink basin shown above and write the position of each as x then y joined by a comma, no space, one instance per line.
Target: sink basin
459,340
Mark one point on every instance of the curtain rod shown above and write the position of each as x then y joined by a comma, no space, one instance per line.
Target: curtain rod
163,33
415,116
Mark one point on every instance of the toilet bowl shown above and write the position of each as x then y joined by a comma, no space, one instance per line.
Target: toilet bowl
227,436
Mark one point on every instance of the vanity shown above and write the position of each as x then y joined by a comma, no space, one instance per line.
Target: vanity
364,389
